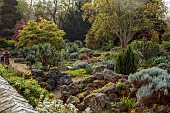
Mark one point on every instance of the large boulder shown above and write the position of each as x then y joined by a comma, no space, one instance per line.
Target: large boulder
97,101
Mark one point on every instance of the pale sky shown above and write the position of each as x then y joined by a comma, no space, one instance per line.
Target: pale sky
167,3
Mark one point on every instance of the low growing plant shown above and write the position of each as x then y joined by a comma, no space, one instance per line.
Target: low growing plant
152,85
128,102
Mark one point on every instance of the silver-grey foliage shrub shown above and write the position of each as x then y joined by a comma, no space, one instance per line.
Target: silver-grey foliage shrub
153,85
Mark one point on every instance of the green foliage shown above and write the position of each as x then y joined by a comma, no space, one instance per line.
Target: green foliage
121,18
79,65
28,88
120,85
152,85
39,33
83,57
89,70
128,101
146,49
9,17
46,54
165,66
79,72
7,43
126,62
71,47
74,55
166,45
82,85
72,23
159,60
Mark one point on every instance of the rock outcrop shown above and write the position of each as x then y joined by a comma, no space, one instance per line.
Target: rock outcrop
11,101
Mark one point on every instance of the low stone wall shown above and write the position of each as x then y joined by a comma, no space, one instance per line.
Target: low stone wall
11,101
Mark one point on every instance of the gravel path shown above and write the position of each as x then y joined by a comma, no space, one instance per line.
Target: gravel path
19,67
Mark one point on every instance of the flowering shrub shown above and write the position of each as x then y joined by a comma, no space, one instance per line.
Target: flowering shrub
57,106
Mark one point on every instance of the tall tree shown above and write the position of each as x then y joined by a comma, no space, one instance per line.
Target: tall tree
23,8
73,24
9,16
124,18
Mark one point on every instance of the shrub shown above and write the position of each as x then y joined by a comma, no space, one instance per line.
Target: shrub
79,72
89,69
159,60
74,55
83,57
165,66
28,88
128,102
166,45
57,106
86,51
146,50
126,62
79,65
152,85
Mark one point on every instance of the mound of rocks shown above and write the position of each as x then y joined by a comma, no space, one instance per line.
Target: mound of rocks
96,91
52,79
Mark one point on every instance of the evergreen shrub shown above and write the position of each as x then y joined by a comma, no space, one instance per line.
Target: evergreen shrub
126,62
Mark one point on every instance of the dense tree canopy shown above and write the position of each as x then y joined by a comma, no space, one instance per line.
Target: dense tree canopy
123,18
9,16
42,32
72,22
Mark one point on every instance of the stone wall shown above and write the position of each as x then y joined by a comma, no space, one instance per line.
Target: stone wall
11,101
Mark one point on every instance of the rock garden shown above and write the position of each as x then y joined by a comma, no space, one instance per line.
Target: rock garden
89,56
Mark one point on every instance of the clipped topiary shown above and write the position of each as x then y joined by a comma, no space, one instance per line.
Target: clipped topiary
126,61
152,84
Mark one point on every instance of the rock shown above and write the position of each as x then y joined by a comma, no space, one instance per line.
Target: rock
89,87
153,110
89,79
109,89
97,101
65,79
65,95
114,110
73,89
98,83
141,109
121,106
11,101
113,97
164,109
73,100
81,106
110,76
99,69
99,76
82,95
37,73
51,82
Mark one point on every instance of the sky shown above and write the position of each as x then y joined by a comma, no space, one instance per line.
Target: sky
167,3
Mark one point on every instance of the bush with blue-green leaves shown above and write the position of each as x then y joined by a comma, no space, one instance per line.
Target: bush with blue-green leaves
152,84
